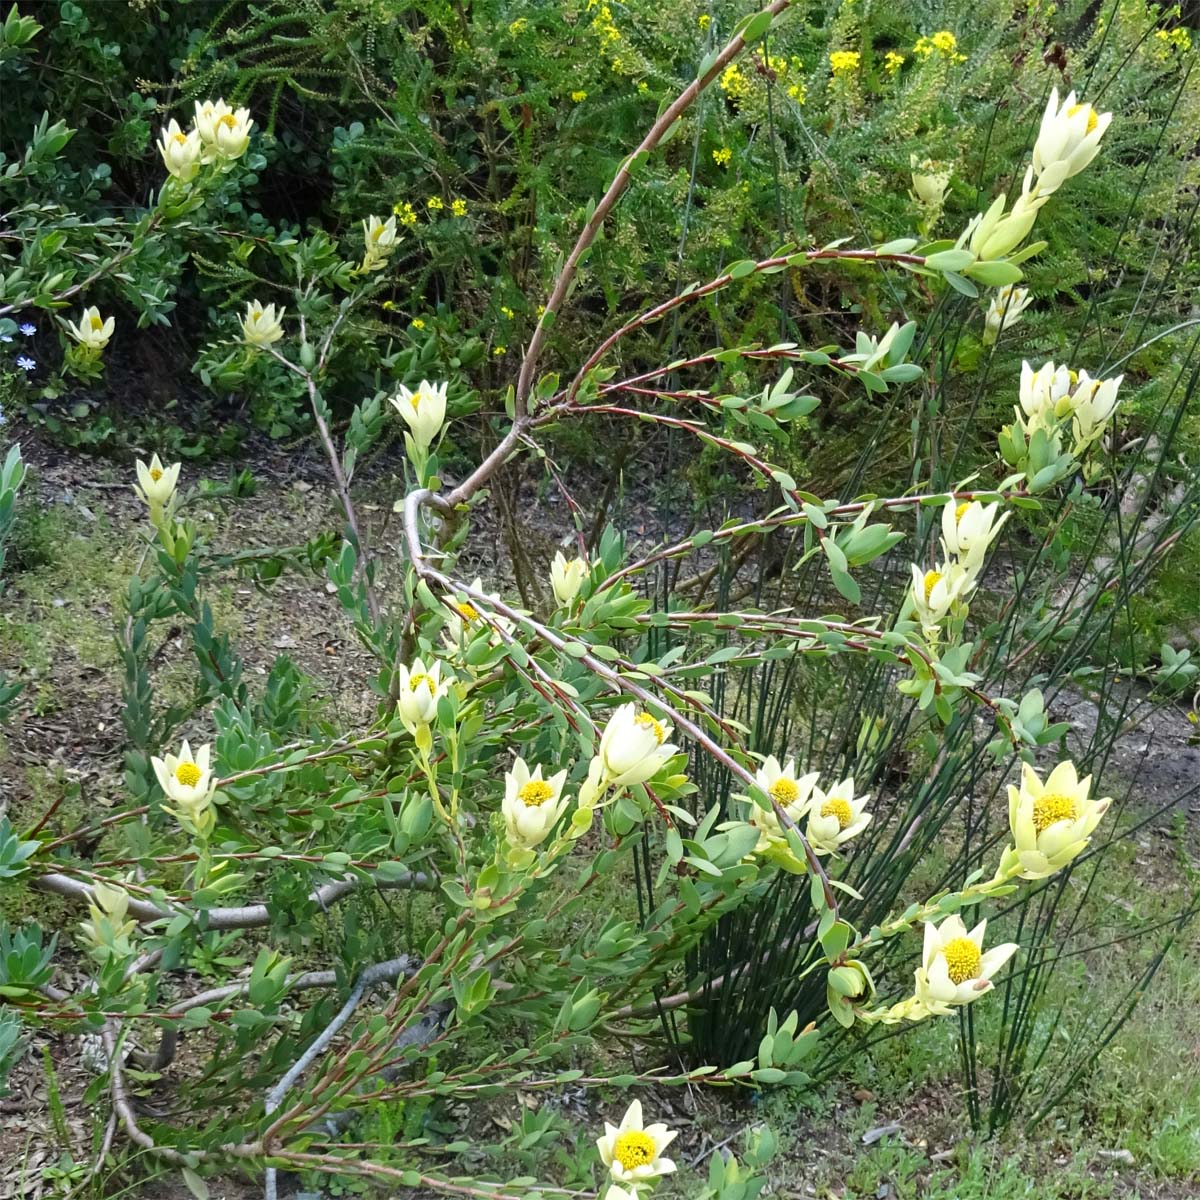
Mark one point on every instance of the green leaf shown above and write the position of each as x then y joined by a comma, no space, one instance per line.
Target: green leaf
994,274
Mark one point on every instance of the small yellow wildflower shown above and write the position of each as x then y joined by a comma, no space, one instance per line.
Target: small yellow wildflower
944,42
1177,39
797,92
417,323
643,87
704,21
388,306
723,157
435,204
605,28
734,82
579,96
518,27
842,62
892,62
458,208
406,212
508,312
541,309
499,350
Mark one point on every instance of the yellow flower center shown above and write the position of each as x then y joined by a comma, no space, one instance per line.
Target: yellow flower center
963,960
188,774
156,473
647,721
376,233
181,139
784,790
932,579
96,323
535,793
1091,112
227,120
415,682
962,508
256,315
1050,808
837,806
634,1149
468,611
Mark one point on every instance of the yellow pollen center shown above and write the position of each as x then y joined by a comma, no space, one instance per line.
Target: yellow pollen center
96,323
256,315
634,1149
188,774
962,508
649,722
469,611
1091,112
785,791
535,793
963,960
838,807
179,137
227,120
156,473
415,682
932,579
1050,808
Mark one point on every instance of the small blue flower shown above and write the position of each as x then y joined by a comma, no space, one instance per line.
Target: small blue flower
28,330
26,364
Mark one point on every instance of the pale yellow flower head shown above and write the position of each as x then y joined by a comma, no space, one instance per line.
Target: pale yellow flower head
1051,822
156,486
532,805
634,746
835,816
224,131
633,1152
969,528
1069,138
421,686
935,592
423,411
180,151
1004,311
380,238
566,578
261,324
92,331
955,969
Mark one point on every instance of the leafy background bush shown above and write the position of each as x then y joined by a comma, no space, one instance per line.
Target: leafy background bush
522,113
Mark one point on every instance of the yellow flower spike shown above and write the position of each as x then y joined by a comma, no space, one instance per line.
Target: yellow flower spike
843,62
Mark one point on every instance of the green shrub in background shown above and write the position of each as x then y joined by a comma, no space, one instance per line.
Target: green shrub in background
797,631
